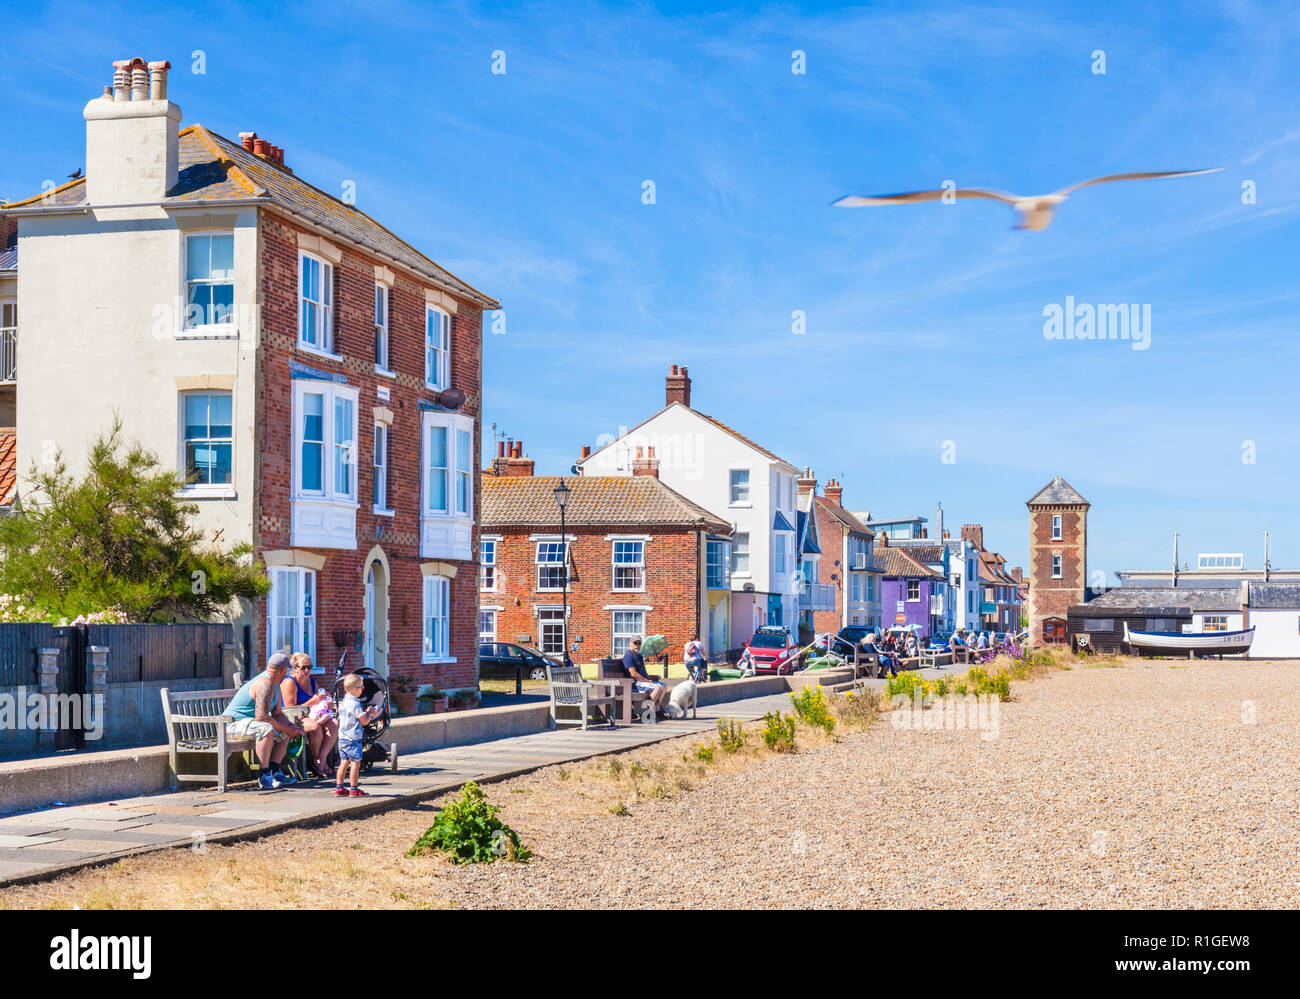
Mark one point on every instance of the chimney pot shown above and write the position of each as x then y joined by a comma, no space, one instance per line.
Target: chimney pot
158,80
246,140
261,147
586,450
677,387
122,80
139,80
501,449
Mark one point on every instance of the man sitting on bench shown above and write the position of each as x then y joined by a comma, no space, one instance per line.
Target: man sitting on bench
642,682
256,710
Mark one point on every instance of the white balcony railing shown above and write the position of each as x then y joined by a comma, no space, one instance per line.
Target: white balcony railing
816,596
8,354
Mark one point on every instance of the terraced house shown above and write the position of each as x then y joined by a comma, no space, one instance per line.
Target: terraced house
636,558
316,378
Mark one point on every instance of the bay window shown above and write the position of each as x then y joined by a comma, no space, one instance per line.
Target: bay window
447,485
324,490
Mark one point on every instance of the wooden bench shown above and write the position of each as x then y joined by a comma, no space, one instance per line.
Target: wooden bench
611,671
570,690
196,724
931,658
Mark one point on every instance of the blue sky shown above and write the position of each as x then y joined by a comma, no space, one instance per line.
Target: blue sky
924,323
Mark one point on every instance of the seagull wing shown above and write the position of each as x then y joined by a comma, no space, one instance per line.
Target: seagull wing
1136,176
912,197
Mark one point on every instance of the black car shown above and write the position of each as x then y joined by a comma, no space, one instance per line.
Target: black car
501,660
855,633
838,644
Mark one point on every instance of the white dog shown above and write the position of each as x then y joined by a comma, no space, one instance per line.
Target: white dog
684,695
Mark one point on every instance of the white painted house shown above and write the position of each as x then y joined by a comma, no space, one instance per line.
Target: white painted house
733,477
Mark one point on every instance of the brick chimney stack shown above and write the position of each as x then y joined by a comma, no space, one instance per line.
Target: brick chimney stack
881,540
974,533
1018,574
647,465
834,492
677,387
516,462
806,483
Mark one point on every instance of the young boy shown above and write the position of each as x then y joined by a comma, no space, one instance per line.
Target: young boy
352,719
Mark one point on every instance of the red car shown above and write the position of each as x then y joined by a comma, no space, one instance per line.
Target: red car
772,649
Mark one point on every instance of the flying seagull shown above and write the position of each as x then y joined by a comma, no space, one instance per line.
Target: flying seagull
1035,212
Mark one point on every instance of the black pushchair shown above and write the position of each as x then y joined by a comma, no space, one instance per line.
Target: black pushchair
376,687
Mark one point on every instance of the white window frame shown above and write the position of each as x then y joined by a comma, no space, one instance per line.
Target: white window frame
435,620
224,327
733,496
437,351
565,555
201,489
724,546
332,445
738,551
615,565
1056,567
485,563
554,616
615,635
304,622
779,553
1056,527
379,469
325,304
913,583
383,312
460,434
485,637
1214,622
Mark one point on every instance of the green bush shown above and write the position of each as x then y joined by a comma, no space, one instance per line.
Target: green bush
810,705
469,830
778,734
704,753
731,736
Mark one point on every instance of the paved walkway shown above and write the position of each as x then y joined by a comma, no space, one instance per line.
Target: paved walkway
37,845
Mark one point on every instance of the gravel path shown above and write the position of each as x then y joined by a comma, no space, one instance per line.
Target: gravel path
1144,786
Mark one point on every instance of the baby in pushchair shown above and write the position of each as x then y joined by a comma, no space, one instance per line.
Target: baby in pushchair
374,692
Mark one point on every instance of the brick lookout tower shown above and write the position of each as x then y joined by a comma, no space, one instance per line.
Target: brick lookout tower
1058,558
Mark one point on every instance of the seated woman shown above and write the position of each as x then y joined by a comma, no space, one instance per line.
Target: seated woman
299,688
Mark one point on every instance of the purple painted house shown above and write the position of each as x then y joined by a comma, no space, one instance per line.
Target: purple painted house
910,589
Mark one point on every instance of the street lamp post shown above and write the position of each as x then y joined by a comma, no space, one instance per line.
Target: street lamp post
562,499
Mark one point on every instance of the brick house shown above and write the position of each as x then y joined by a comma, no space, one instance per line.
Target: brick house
911,592
1001,588
317,379
1058,556
848,564
641,559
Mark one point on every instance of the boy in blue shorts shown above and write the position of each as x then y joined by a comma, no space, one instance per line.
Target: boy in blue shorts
352,719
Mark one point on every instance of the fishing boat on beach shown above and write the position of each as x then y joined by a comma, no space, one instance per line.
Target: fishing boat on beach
1193,643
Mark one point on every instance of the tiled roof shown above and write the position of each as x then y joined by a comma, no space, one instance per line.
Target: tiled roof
594,500
897,562
8,464
1274,596
1056,491
924,553
213,168
843,516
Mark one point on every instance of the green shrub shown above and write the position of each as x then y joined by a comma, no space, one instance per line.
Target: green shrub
778,734
731,736
810,706
469,830
704,753
618,808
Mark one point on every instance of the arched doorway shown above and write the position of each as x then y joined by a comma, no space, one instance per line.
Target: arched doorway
376,611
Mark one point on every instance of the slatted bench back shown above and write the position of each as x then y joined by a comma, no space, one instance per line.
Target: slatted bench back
192,715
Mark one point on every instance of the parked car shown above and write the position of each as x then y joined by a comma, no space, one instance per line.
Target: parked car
940,639
855,633
772,649
501,660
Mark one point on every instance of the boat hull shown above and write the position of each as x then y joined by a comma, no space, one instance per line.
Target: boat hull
1201,643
